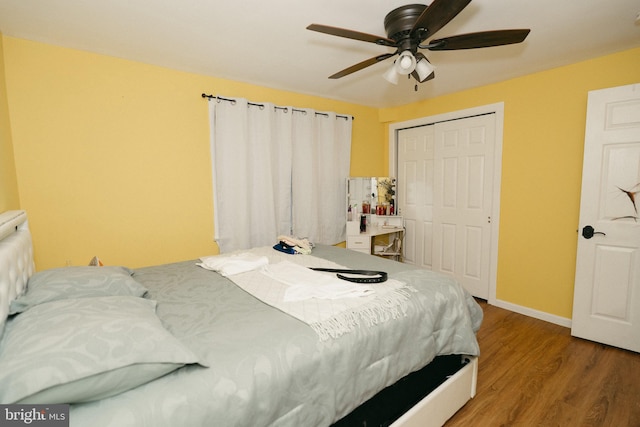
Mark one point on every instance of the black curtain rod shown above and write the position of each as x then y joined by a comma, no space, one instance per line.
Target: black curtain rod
204,95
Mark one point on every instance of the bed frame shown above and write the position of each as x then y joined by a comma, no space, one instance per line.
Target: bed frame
427,398
444,401
16,259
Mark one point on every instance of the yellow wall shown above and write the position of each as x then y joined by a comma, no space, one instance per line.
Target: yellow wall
112,156
8,181
112,159
541,171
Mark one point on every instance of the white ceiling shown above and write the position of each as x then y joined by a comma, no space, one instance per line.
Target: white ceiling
265,42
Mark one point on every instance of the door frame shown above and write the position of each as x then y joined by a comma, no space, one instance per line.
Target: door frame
498,110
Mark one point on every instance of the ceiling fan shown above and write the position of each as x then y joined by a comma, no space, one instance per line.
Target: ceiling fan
408,27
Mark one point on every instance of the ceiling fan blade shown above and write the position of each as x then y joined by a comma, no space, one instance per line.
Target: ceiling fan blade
437,15
478,40
359,66
350,34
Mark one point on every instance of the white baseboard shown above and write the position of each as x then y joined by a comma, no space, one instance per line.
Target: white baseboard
541,315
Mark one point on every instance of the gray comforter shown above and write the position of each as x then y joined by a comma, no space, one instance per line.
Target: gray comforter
266,367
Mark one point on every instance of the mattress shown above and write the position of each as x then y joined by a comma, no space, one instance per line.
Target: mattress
265,367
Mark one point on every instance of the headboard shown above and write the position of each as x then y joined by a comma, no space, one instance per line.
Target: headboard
16,259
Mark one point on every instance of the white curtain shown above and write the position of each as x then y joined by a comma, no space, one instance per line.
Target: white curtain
321,161
277,171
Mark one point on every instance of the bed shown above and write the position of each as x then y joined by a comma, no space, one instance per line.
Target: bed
178,344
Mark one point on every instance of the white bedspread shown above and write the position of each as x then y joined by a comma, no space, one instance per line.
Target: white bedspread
304,283
331,316
228,265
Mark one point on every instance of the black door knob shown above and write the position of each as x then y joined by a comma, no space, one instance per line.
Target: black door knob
588,232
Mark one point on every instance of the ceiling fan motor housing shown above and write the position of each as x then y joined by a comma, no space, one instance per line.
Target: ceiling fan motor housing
399,22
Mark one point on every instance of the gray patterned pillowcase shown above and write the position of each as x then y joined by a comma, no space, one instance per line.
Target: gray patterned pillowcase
77,282
79,350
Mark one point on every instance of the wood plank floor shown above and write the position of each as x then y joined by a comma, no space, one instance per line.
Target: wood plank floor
534,373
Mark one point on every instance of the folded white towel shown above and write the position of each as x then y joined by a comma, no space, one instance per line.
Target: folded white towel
306,284
228,265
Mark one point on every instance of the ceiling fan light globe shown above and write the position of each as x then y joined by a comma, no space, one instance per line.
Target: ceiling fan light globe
391,75
406,63
424,69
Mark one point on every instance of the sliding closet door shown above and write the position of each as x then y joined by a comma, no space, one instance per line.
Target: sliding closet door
415,192
445,192
463,183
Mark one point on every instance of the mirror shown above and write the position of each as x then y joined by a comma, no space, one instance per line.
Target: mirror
386,190
368,195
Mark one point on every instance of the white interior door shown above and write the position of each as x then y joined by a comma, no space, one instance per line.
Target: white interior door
606,305
415,192
445,193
